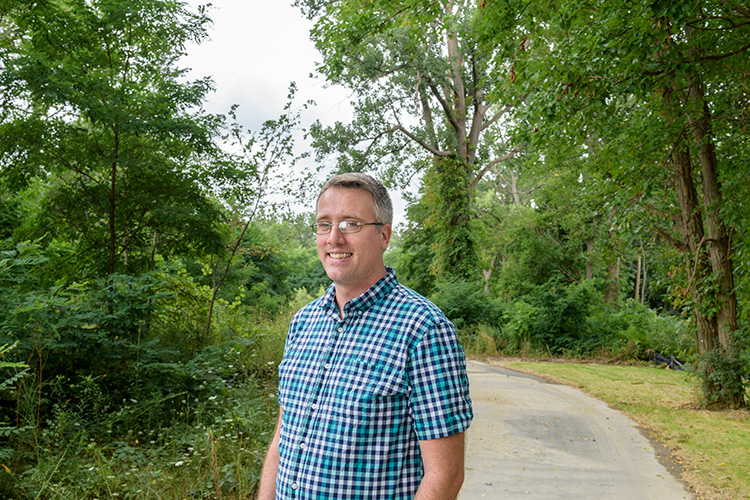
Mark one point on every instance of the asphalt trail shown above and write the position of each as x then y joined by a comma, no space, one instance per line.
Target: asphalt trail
537,440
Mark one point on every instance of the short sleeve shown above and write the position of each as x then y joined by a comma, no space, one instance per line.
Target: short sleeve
440,402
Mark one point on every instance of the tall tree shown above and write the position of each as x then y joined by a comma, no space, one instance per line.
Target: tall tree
655,86
96,108
418,78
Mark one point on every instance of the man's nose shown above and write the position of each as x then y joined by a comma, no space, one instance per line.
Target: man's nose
335,234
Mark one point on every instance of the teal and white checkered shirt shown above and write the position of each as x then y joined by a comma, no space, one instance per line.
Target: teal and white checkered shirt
359,393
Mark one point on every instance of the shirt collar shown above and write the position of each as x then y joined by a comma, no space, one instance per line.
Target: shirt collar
365,301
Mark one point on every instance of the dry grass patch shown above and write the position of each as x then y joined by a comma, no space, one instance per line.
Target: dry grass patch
712,446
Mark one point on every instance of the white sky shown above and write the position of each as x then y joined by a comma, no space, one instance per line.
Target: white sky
256,48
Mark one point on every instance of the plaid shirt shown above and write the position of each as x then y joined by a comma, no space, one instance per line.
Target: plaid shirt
359,393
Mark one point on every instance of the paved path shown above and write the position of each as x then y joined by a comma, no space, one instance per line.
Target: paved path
532,439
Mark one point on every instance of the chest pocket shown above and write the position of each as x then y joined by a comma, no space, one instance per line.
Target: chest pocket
366,393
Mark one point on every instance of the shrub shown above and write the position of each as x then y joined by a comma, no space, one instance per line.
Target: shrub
561,317
130,384
520,318
634,331
725,372
466,305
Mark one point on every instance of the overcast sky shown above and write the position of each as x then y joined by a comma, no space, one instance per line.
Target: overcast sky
256,48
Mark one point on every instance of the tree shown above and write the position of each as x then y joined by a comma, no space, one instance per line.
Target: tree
419,78
655,88
260,162
97,111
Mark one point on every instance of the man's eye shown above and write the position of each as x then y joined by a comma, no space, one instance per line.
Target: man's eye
324,224
351,224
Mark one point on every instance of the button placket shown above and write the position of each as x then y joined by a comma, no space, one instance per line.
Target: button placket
315,393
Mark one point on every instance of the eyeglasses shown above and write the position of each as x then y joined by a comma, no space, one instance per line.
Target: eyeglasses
345,226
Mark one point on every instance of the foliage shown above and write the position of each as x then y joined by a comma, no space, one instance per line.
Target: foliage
419,80
97,111
560,323
599,77
144,359
411,251
447,198
534,249
10,375
519,326
264,153
571,320
464,303
720,367
126,381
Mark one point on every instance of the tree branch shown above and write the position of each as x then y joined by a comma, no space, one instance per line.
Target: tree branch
500,113
444,104
494,162
671,239
432,149
718,57
479,111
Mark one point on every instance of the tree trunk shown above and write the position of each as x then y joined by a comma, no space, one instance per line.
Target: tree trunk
638,279
691,228
612,287
514,188
719,245
487,273
112,199
645,274
459,91
455,253
708,259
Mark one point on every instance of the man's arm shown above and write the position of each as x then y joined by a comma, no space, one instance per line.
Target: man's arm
443,468
267,487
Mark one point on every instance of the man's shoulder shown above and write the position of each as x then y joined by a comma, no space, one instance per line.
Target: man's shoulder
311,309
409,300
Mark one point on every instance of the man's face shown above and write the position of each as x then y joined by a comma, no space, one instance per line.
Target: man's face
353,261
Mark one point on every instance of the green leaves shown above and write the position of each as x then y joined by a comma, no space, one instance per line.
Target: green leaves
100,111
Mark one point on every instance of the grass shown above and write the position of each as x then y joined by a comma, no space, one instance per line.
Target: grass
711,446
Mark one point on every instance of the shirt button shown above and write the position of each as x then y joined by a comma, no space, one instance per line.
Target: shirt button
341,329
327,366
314,406
294,486
302,446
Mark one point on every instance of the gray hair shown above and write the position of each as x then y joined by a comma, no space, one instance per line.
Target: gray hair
358,180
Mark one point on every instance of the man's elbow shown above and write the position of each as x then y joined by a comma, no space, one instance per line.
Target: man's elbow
456,482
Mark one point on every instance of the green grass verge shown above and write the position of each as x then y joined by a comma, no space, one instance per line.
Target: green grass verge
711,446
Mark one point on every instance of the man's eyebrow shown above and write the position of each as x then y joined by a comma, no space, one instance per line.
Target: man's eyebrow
325,218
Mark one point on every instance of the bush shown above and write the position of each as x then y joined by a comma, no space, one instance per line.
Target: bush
634,331
520,319
724,373
132,394
466,305
561,316
561,319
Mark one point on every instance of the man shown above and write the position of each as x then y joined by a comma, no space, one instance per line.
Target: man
373,387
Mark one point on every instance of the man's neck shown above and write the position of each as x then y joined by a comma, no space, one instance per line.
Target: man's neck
344,293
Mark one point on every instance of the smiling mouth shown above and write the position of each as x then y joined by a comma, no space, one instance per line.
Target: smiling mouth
339,255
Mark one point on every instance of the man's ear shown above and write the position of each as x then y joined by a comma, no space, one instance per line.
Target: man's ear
385,236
